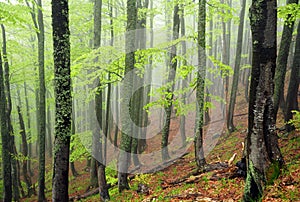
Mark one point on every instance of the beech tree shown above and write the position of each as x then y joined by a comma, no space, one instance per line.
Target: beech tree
282,58
63,99
5,137
201,71
126,137
171,81
235,82
263,155
291,99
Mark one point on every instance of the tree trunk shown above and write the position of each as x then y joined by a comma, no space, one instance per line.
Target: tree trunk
171,81
235,83
63,99
29,130
24,149
263,156
291,99
282,62
103,188
125,147
73,131
14,162
5,137
198,141
49,132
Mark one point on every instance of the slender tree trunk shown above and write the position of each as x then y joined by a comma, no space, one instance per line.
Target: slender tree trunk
14,162
230,125
291,99
171,81
73,131
24,149
282,62
184,82
42,106
29,130
63,99
49,132
103,188
198,141
126,140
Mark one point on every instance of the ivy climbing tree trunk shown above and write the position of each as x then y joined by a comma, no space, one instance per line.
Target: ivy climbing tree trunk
63,99
5,137
198,140
263,155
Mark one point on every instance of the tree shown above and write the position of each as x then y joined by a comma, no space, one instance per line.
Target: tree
171,81
125,147
198,140
5,137
26,175
42,104
103,188
263,155
282,61
16,183
63,99
230,125
291,99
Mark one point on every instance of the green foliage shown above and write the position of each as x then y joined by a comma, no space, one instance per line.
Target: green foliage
143,178
111,175
78,145
289,13
296,120
13,14
224,70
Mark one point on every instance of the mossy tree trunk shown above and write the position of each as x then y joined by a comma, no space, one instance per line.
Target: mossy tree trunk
63,99
263,155
281,64
201,72
126,109
5,137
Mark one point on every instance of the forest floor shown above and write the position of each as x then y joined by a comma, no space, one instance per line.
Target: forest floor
181,182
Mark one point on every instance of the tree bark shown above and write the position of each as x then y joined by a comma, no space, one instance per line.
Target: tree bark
5,137
171,81
282,63
201,72
126,140
263,155
230,125
63,99
16,183
292,98
24,147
